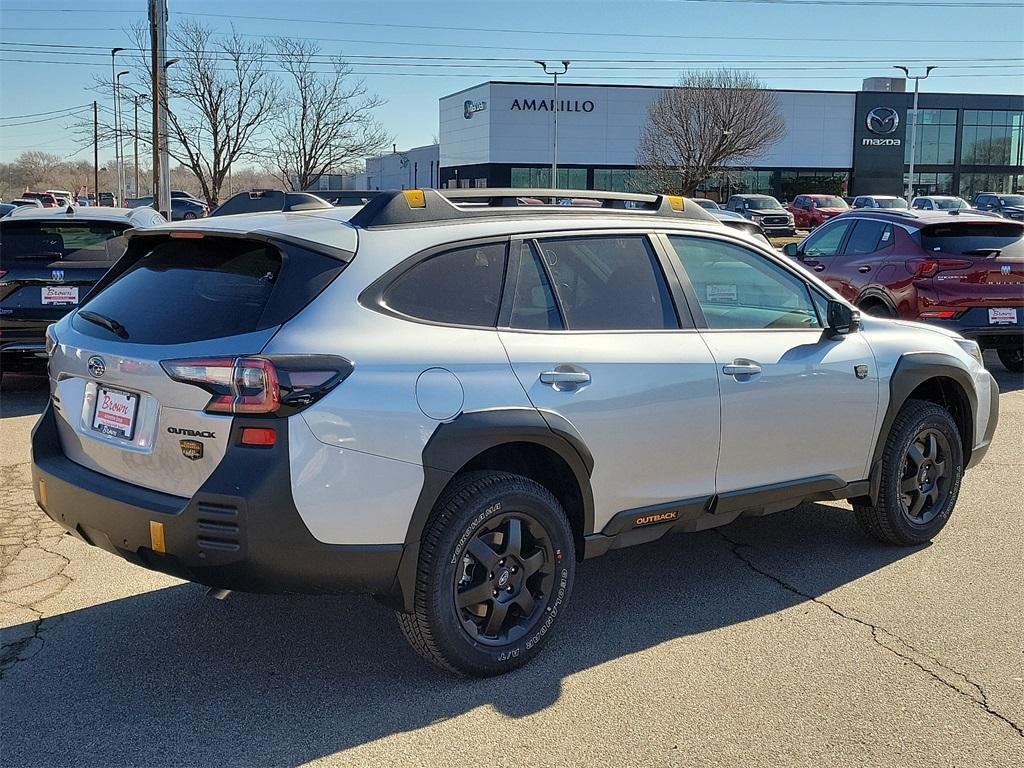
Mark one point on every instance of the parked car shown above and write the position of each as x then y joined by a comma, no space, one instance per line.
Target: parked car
63,197
46,199
964,272
305,402
108,198
879,201
1007,206
263,200
765,211
706,204
27,202
810,211
182,208
940,203
49,260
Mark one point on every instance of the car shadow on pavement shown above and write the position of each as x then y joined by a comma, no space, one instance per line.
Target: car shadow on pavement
22,394
171,677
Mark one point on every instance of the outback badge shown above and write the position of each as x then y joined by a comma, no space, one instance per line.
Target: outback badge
191,449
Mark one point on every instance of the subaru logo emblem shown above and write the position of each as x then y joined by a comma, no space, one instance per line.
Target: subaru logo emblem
96,366
57,275
1005,269
883,120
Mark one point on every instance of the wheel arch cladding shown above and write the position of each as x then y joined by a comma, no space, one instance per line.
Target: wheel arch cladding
936,378
544,447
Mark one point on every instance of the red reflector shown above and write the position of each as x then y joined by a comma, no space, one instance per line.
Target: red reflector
187,235
941,314
258,436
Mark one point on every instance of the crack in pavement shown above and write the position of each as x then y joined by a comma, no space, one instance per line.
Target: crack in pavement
26,579
980,699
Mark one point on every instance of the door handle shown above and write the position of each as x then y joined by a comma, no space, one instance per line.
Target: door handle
741,369
865,268
565,377
819,267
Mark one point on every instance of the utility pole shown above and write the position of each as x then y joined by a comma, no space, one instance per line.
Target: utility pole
138,190
113,86
95,152
119,138
913,126
158,69
554,112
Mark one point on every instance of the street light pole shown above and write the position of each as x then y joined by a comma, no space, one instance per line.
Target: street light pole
118,138
113,86
913,128
165,158
554,111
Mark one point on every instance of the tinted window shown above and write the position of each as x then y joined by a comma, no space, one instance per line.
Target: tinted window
829,202
826,241
737,288
62,240
761,203
974,239
461,286
533,306
608,283
868,237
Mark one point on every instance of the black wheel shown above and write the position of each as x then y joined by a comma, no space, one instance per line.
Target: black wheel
876,308
922,466
1012,359
496,567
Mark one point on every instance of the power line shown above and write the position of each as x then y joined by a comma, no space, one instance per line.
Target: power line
51,112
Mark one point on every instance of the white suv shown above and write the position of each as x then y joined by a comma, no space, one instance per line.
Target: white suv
452,398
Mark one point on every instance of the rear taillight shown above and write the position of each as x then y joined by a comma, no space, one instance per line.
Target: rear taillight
261,385
938,314
2,273
932,267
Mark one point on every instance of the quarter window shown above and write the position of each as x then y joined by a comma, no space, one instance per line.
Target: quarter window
608,282
826,241
737,288
461,286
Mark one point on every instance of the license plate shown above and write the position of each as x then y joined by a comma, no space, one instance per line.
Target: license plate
60,294
115,412
1002,316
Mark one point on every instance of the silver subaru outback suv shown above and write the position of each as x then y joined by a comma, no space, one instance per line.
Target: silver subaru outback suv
451,397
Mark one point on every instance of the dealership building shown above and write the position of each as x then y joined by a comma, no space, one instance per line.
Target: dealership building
499,134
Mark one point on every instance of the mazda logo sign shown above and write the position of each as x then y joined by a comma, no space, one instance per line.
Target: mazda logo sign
96,366
883,120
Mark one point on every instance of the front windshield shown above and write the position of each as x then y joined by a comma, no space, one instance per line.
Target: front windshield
761,203
1012,200
950,203
894,203
829,202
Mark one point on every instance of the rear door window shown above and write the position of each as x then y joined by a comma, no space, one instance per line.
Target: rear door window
868,236
608,282
533,305
458,287
974,239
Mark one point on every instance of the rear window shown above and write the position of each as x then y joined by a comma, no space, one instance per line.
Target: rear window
62,240
974,239
182,290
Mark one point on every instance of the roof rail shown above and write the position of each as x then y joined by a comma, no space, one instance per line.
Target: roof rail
414,206
901,212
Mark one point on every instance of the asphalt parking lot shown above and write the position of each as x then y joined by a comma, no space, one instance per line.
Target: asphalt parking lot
786,640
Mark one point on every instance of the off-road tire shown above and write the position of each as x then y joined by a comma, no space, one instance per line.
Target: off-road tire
890,519
1012,359
435,628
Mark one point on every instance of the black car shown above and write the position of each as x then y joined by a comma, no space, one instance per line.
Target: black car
49,260
1007,206
262,200
181,207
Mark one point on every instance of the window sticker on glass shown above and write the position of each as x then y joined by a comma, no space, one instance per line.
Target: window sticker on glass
722,292
885,235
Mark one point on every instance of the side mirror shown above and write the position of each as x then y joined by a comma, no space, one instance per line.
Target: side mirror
841,319
792,250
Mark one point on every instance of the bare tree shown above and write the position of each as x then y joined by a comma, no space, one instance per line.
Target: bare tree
708,122
324,122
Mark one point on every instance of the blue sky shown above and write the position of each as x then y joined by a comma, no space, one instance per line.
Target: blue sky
804,44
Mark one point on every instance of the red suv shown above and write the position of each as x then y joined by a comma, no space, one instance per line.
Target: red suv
810,211
47,199
964,271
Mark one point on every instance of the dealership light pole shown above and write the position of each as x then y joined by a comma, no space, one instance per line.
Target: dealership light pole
554,111
913,128
113,87
119,137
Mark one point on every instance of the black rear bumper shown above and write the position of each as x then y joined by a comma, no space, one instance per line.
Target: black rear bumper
240,531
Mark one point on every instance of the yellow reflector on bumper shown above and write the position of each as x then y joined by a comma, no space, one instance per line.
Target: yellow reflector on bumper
156,536
415,198
676,202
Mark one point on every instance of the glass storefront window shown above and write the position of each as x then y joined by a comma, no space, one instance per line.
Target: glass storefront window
931,183
568,178
936,137
973,183
993,137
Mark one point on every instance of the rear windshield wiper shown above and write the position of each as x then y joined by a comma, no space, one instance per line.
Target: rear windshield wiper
105,322
982,252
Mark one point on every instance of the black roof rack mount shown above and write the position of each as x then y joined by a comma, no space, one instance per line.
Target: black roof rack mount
417,206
